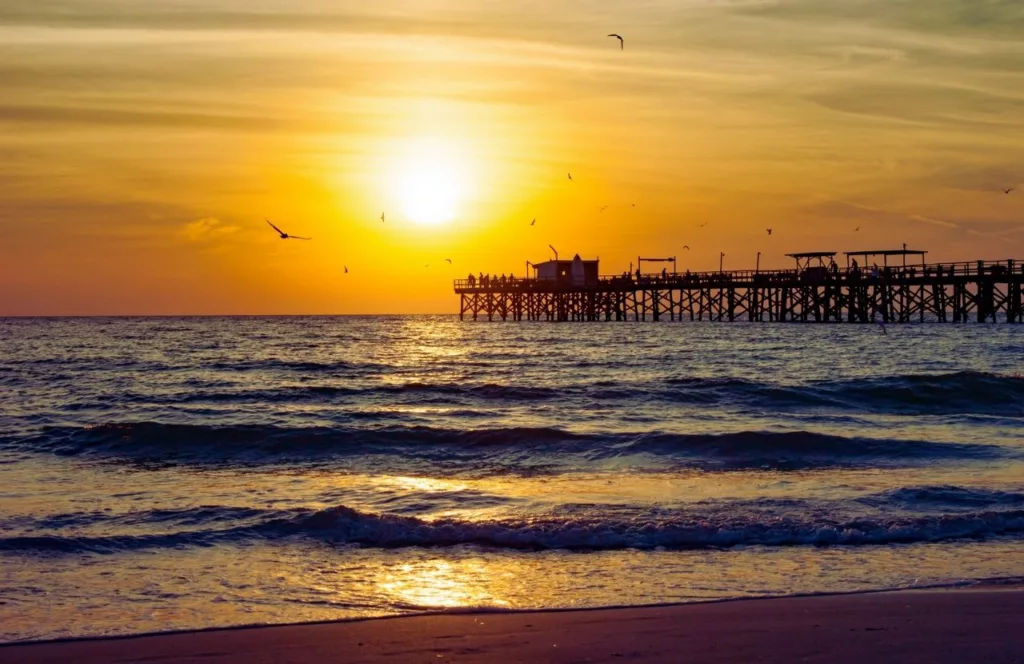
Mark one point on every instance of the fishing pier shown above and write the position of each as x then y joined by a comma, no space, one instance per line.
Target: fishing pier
817,290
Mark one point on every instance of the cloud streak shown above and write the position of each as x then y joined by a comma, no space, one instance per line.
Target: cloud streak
207,229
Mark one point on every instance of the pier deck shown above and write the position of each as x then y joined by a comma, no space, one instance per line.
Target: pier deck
982,291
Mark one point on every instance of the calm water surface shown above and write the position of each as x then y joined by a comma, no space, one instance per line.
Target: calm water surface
182,473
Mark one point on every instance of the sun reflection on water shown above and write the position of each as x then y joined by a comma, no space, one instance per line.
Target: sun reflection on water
440,583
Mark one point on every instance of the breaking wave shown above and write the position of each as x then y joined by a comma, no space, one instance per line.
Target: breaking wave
663,529
253,444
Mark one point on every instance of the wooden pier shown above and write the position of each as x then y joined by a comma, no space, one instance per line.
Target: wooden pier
981,291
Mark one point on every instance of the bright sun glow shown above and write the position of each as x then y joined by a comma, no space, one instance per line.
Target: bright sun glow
431,181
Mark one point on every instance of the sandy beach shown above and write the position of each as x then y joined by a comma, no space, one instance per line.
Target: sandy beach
958,625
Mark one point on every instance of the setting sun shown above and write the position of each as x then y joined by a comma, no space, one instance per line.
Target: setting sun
431,181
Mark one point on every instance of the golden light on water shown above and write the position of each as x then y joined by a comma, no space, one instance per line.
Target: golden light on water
440,583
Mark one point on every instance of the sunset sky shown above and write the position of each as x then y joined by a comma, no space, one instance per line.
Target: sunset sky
142,144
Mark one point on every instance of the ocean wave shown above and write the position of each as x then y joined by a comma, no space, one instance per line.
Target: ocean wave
154,441
945,497
962,393
800,448
451,392
478,390
346,526
966,392
301,366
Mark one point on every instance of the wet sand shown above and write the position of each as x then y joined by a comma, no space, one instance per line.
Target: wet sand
981,624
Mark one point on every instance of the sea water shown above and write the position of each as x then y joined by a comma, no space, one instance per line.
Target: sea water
178,473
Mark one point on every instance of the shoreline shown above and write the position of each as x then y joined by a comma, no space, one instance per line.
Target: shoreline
979,621
997,583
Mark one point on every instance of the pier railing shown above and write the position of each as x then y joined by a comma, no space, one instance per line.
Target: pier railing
942,292
688,279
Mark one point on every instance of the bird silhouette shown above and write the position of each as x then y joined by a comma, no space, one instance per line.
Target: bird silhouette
622,42
603,209
427,265
769,231
570,178
856,230
703,225
346,268
285,236
1006,191
533,223
686,246
449,261
382,217
633,204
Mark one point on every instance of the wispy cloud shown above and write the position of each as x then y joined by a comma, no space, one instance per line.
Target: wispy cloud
207,229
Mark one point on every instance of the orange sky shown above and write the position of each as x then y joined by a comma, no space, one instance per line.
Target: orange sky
144,144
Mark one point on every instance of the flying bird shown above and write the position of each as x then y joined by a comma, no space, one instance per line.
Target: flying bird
285,236
603,209
346,268
570,178
382,217
686,246
622,42
769,231
449,261
1006,191
704,224
533,223
856,230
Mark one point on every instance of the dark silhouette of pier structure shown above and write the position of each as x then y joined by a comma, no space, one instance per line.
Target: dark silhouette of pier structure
817,290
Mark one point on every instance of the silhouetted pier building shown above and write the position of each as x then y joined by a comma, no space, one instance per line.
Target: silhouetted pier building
818,290
575,273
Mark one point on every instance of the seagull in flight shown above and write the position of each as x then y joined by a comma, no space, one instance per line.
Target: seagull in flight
1006,191
570,178
704,224
382,217
769,231
686,246
285,236
534,222
449,261
856,230
346,268
603,209
622,42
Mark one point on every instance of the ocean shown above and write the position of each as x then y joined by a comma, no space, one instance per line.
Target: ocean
181,473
